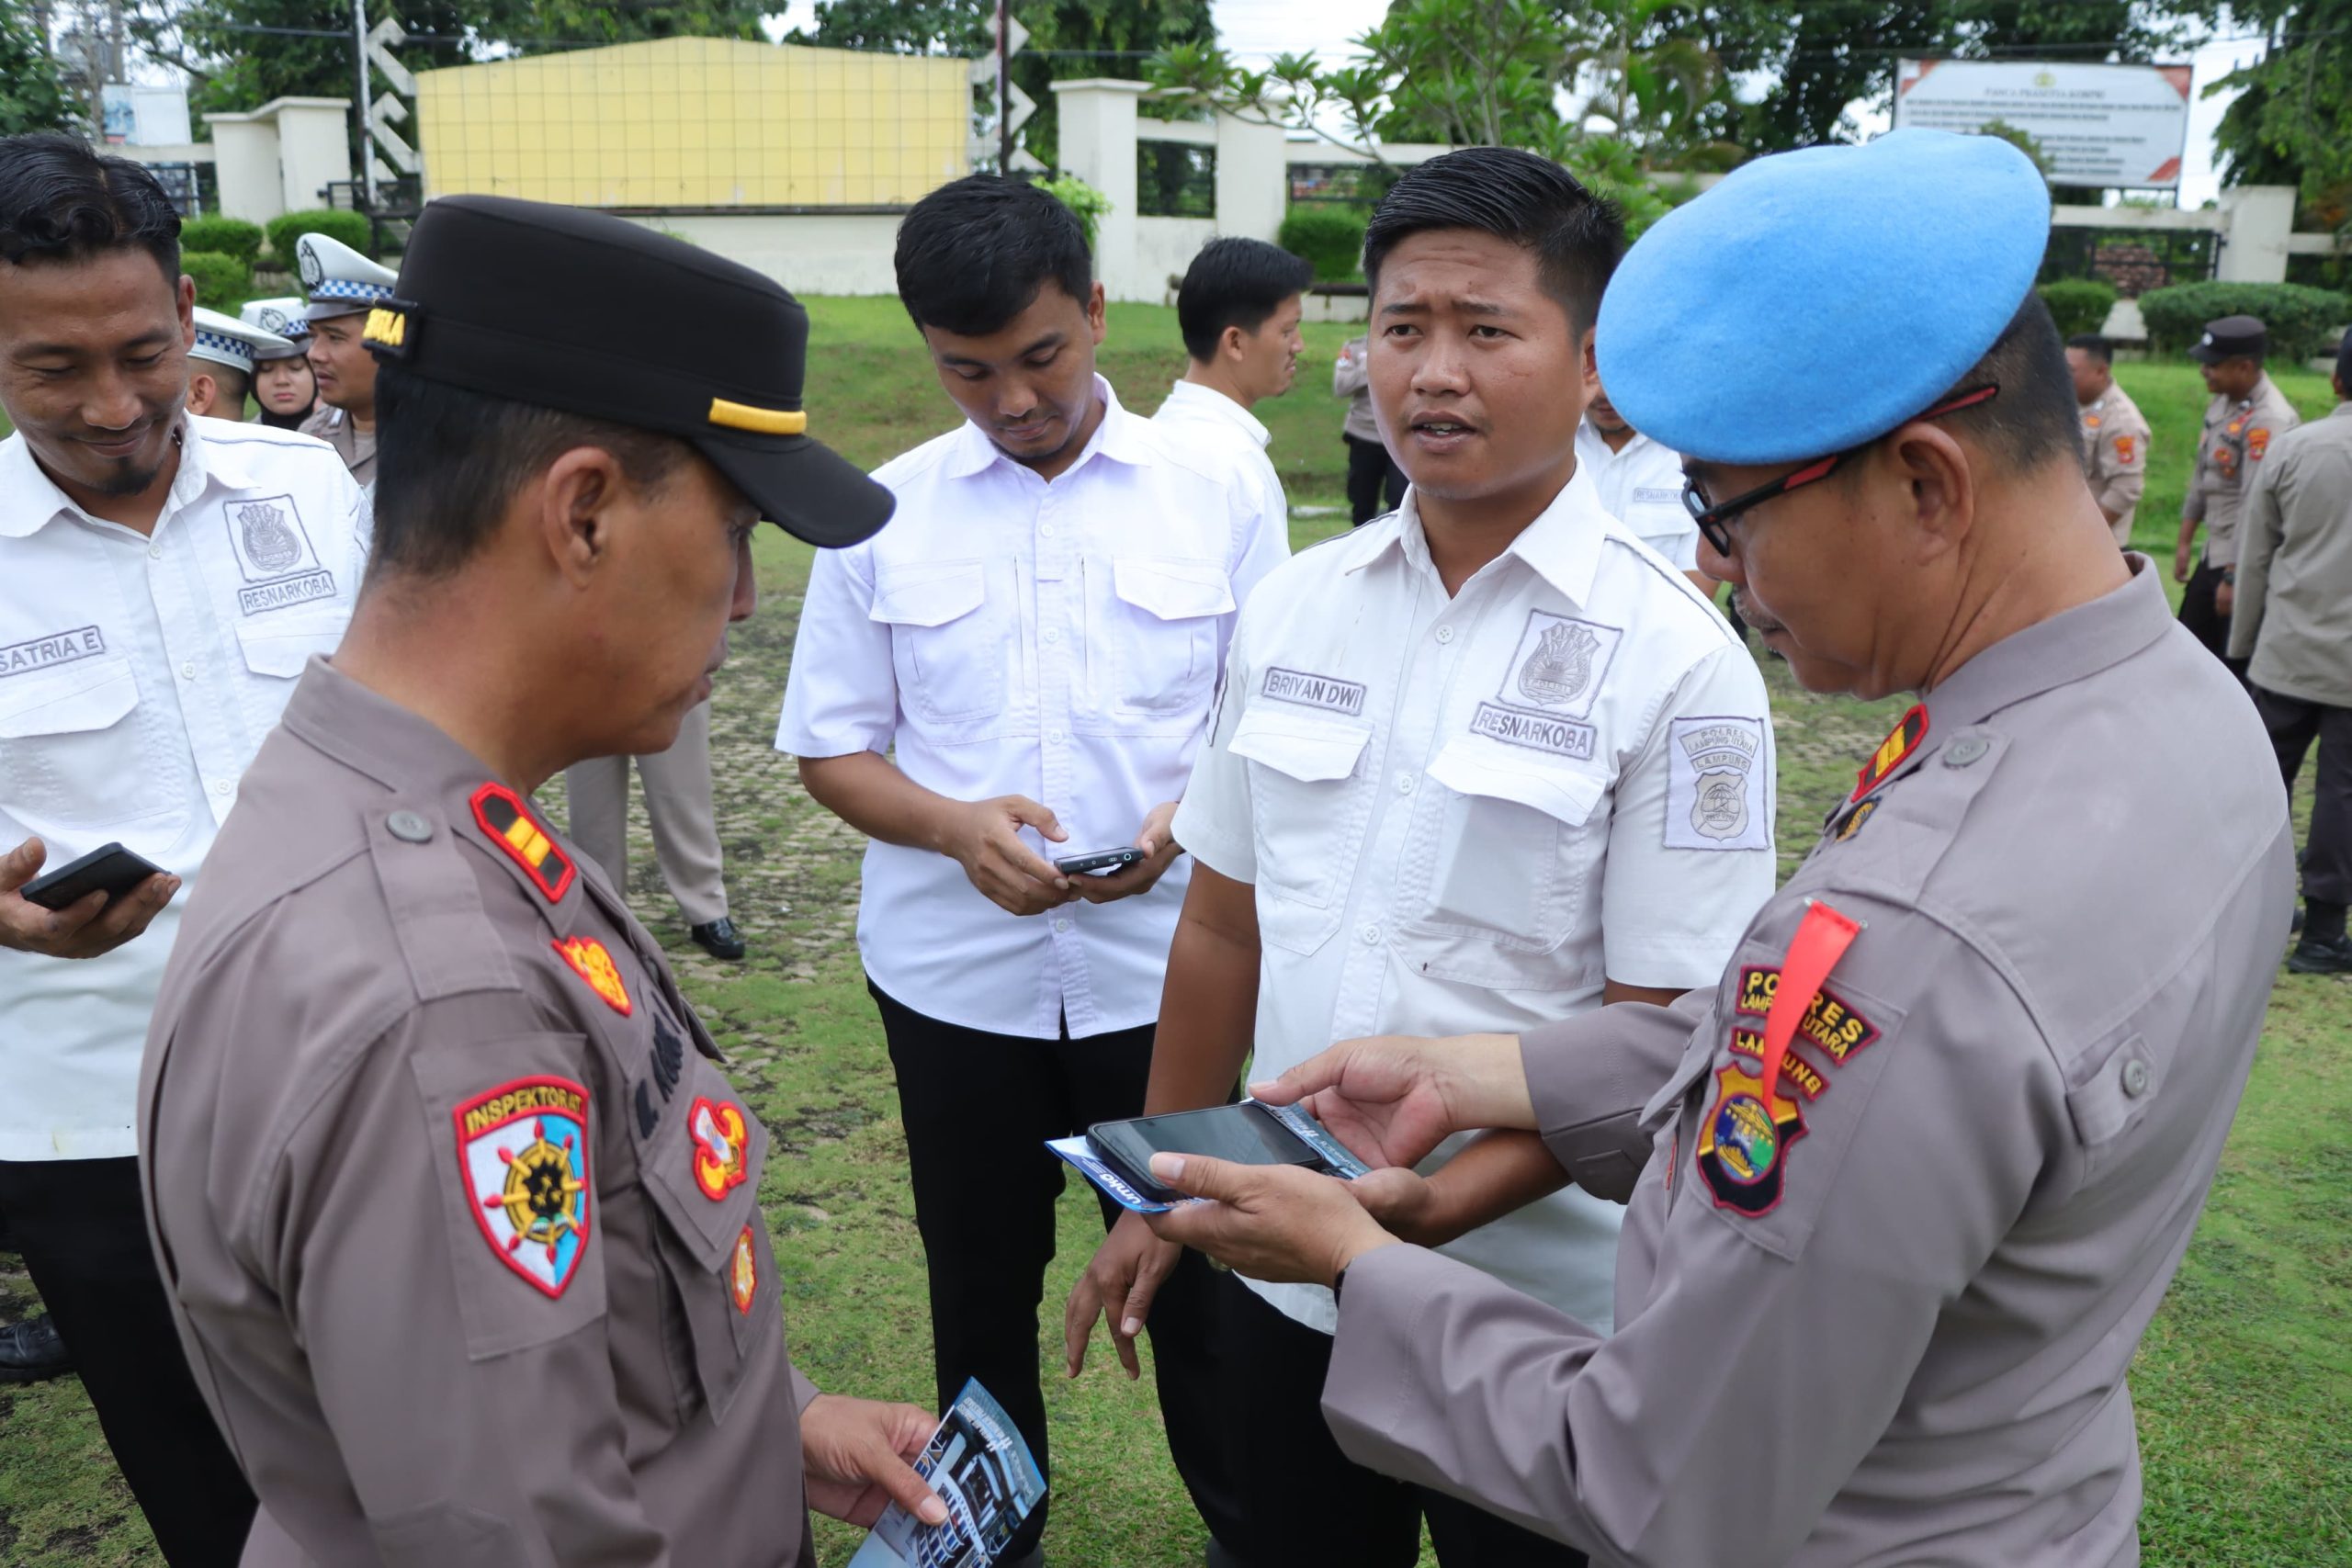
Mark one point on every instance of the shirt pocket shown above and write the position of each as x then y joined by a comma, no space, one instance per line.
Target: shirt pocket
1308,808
948,645
702,1175
74,755
280,646
1504,882
1161,628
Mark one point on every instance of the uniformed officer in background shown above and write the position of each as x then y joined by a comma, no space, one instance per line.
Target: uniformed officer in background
344,286
2246,413
2115,436
680,810
1913,1173
284,389
1639,484
2294,587
220,363
459,1216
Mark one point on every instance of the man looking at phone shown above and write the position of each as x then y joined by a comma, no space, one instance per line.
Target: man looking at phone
1486,759
161,581
1019,668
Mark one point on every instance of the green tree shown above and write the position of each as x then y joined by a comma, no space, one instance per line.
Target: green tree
33,93
2292,122
1067,38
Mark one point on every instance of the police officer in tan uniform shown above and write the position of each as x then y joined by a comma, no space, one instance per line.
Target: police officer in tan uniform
2115,436
1908,1180
344,286
458,1210
2246,413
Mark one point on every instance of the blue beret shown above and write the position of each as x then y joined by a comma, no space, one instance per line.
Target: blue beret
1815,299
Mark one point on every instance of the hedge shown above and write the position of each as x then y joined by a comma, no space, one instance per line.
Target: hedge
351,227
227,236
222,281
2302,321
2079,304
1330,239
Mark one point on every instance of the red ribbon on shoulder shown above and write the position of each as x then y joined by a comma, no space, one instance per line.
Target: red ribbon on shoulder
1822,939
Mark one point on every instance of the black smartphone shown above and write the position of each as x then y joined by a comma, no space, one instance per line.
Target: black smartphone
1098,861
109,869
1247,1133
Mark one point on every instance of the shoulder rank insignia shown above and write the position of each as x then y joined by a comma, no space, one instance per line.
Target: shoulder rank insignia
513,830
593,961
523,1152
743,1273
1901,743
722,1152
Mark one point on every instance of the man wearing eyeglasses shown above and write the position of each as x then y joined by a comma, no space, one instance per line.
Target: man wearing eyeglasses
1487,762
1906,1182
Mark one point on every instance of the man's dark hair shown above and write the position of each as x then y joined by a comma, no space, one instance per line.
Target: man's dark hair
61,200
2035,420
974,253
2344,364
1576,236
449,461
1234,283
236,386
2098,348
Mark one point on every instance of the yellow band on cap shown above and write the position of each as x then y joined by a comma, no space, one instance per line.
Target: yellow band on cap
767,421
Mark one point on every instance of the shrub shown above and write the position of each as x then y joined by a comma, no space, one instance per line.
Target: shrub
226,236
2079,304
1081,198
222,282
1329,239
2302,321
351,227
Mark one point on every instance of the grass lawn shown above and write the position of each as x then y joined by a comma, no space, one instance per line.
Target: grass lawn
2240,1384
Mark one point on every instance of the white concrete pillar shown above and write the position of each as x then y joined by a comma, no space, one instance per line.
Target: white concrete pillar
1252,178
1098,145
245,159
2253,246
313,148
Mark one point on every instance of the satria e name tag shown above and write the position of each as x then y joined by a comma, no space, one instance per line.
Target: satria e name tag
1313,690
47,652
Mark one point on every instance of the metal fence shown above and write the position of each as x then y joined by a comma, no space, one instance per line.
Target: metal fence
2134,260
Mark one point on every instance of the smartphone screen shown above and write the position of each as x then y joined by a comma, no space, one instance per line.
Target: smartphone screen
1245,1135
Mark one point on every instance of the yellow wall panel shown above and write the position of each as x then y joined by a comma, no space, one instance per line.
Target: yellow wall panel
697,122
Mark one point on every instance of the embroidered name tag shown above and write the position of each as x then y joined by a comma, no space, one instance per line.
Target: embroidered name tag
1538,732
1658,495
47,652
285,591
1313,690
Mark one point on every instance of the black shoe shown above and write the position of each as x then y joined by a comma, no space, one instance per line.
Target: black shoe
30,1351
718,938
2315,957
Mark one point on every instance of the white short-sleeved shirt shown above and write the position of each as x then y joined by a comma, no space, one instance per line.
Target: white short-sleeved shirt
1197,415
1641,487
138,676
1008,636
1461,814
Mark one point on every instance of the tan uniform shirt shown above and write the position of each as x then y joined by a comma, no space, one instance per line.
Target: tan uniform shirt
2237,437
1892,1326
335,427
2115,457
2294,605
1352,380
458,1213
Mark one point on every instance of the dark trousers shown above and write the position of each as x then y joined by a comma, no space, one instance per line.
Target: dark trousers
2293,725
80,1227
2202,615
1304,1501
1372,471
977,1109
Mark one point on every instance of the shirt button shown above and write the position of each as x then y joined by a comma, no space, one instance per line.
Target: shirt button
409,827
1046,530
1404,784
1052,634
155,552
2135,1078
1966,750
187,671
1056,736
1445,634
223,787
1371,934
1061,925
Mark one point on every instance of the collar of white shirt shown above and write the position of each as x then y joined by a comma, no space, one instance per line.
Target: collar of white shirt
1562,546
1591,443
1120,436
34,499
1191,398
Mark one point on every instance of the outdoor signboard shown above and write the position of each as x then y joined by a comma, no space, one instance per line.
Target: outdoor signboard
2099,125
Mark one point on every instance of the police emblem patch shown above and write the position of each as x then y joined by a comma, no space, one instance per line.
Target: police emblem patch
743,1271
593,961
1714,788
2125,445
2257,442
523,1153
268,537
1559,665
1744,1143
1853,823
722,1149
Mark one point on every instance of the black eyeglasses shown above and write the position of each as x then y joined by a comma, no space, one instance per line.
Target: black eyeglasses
1712,519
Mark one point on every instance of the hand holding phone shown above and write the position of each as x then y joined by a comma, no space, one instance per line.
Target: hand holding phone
80,910
1141,865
